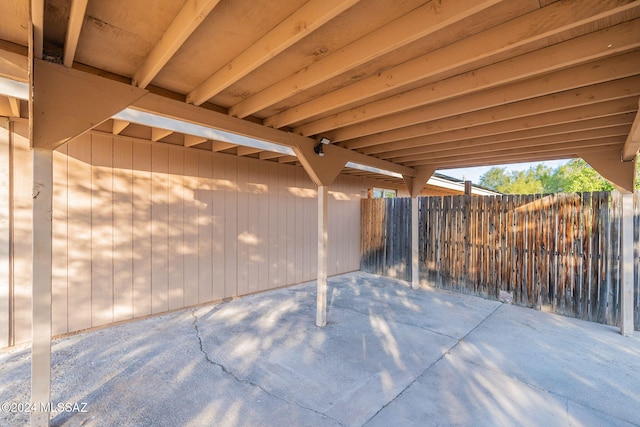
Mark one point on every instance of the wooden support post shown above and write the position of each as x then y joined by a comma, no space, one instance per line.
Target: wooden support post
415,186
626,294
323,233
41,287
415,238
5,313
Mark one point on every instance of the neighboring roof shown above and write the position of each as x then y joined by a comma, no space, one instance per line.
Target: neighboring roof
416,84
457,185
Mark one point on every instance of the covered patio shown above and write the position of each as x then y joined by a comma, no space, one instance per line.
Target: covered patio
389,355
162,155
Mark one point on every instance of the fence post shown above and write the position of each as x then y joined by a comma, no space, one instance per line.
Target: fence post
415,253
626,294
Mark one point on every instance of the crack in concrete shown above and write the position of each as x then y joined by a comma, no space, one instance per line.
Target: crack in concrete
245,381
442,356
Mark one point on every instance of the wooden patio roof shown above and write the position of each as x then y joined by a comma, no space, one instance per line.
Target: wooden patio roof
399,85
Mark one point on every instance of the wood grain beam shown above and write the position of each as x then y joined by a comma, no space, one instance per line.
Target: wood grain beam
191,140
14,106
442,151
217,146
591,118
157,134
119,126
609,164
419,23
247,151
570,147
557,108
76,18
185,23
313,14
160,105
446,97
36,37
632,143
89,101
521,157
517,36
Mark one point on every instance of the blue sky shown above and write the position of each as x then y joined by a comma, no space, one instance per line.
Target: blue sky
474,174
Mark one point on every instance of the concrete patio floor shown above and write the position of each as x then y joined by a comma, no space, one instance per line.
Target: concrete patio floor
389,356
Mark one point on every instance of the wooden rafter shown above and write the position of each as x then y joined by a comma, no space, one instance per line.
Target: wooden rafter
191,140
587,138
119,126
528,74
76,18
185,23
582,118
314,14
506,120
37,22
632,143
446,97
14,106
467,52
455,140
419,23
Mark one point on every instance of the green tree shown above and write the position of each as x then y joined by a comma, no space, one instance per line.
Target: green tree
495,179
574,176
580,177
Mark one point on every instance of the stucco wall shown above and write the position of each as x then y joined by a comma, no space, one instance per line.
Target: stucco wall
141,228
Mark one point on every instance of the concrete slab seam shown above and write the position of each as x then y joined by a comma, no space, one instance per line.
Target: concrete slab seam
245,381
442,356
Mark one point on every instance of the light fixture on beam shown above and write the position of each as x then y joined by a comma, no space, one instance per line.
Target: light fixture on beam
318,147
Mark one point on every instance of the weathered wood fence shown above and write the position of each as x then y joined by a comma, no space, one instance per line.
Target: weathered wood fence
559,253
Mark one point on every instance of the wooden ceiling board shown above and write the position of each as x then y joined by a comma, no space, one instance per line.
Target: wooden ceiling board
14,24
118,35
229,29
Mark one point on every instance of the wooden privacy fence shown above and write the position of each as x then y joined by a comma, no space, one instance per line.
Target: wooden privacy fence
560,252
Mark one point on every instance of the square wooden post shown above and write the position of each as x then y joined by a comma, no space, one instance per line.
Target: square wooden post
41,287
415,239
626,294
5,312
323,233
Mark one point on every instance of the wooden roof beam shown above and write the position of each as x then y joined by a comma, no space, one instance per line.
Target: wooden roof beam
313,14
446,100
174,109
524,32
525,114
456,140
268,155
14,106
185,23
217,146
568,148
621,174
191,140
157,134
89,101
247,151
76,18
417,24
632,144
119,126
587,138
590,117
36,36
520,157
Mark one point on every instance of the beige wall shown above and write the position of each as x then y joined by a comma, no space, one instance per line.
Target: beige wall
140,228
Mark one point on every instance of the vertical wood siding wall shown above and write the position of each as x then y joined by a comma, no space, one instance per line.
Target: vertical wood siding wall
142,228
559,253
